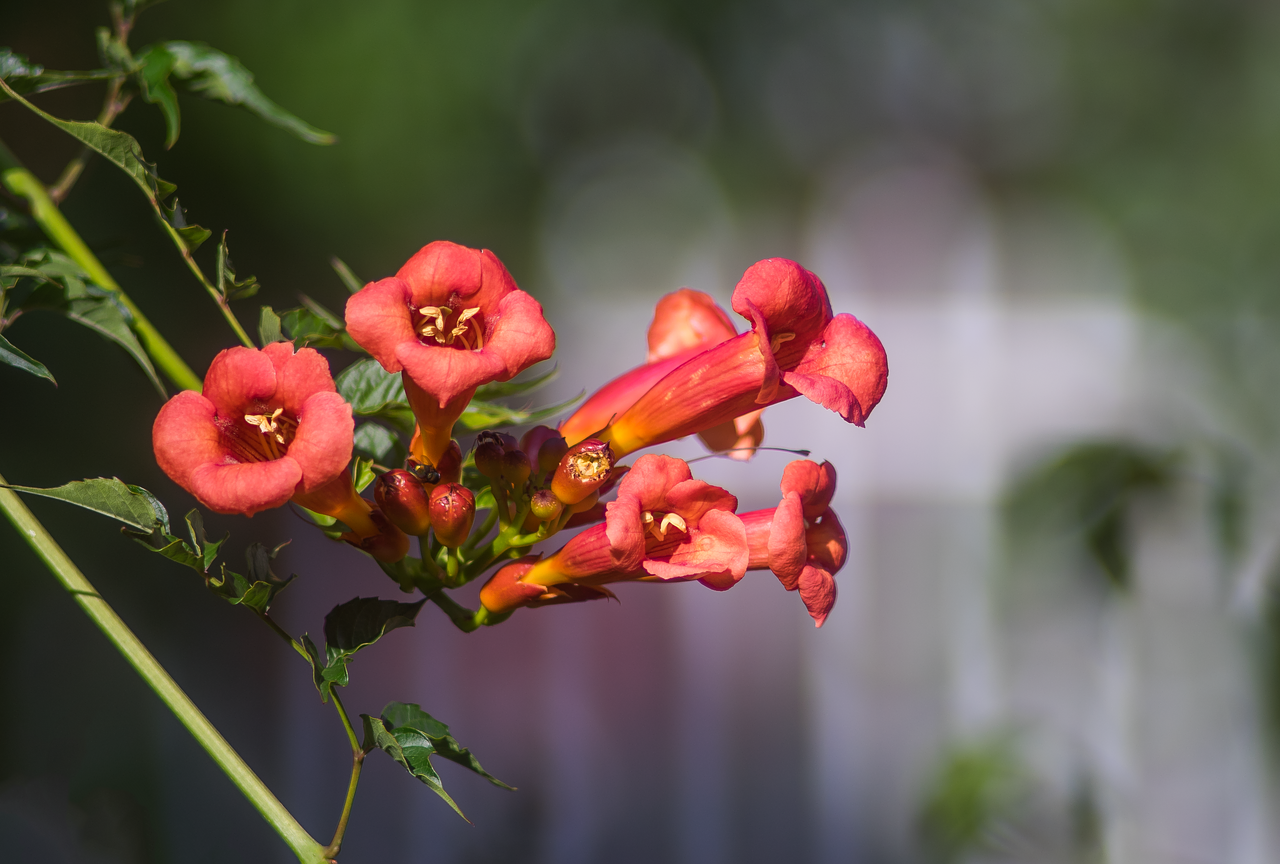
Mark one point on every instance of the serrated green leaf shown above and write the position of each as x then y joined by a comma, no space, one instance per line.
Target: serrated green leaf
212,74
379,444
489,415
362,621
199,554
411,749
268,327
499,389
401,715
362,473
225,275
107,317
132,505
27,77
370,388
11,355
349,279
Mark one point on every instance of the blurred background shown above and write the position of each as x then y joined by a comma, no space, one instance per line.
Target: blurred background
1056,637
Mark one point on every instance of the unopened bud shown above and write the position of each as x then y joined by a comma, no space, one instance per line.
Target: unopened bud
586,503
504,592
531,441
545,506
550,454
450,464
488,456
403,500
582,470
389,545
453,510
515,468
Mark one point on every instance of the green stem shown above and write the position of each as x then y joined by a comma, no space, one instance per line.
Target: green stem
357,763
302,844
20,181
485,528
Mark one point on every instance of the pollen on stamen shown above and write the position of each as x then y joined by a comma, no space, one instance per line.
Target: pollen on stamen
778,339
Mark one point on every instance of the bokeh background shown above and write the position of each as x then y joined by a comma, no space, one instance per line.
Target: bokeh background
1056,638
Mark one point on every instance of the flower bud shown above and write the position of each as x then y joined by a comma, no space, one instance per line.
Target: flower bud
403,500
582,470
504,592
586,503
488,456
450,464
545,506
531,441
453,510
515,468
389,545
550,454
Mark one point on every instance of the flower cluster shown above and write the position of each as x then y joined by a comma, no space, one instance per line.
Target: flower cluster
270,428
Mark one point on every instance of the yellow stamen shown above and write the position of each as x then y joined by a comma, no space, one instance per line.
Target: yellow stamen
778,338
659,529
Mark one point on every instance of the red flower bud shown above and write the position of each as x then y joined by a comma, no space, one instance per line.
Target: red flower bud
504,592
550,454
403,500
515,468
453,510
450,464
582,470
488,456
389,545
531,441
546,506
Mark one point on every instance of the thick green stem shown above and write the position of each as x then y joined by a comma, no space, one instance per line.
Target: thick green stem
20,181
302,844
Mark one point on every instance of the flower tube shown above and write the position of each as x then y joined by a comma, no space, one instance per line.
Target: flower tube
795,347
268,428
450,320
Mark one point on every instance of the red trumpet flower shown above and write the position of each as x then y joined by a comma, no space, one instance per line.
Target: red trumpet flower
795,346
664,526
269,427
450,320
801,540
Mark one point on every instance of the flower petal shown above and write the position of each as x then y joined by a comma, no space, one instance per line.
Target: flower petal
693,498
246,488
818,591
378,319
814,483
826,542
846,371
240,381
185,436
442,270
610,401
444,372
684,320
787,551
298,376
520,335
715,553
788,298
323,442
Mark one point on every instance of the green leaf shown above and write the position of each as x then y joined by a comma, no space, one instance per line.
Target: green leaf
108,318
400,715
971,793
193,236
226,276
362,473
199,555
212,74
360,622
268,327
499,389
132,505
13,356
349,279
332,321
325,671
369,388
380,444
490,415
306,328
27,77
259,588
411,749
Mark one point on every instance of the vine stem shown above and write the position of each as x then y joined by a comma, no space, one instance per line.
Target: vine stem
303,845
357,762
20,181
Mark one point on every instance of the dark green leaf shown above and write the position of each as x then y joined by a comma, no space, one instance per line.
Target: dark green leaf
360,622
193,236
198,555
490,415
362,473
13,356
400,715
379,444
411,749
209,73
226,276
499,389
106,316
327,672
154,67
348,278
333,321
27,77
132,505
370,388
305,328
268,327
